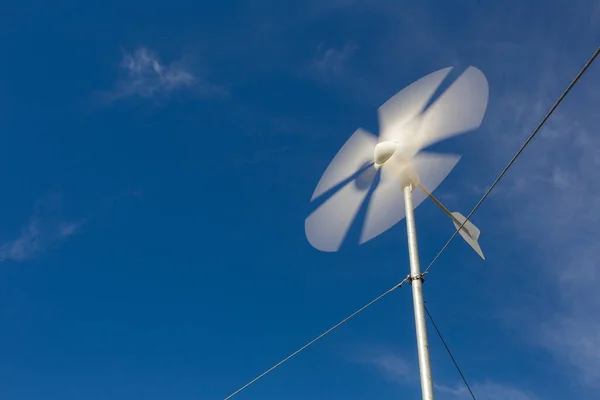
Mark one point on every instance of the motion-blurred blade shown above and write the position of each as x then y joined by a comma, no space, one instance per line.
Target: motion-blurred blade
458,110
386,207
406,105
432,169
328,225
355,154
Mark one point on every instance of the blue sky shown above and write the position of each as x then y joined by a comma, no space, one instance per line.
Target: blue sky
158,160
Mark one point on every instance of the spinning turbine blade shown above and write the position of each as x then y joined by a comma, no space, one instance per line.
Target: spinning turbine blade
328,225
386,206
407,104
432,168
355,153
458,110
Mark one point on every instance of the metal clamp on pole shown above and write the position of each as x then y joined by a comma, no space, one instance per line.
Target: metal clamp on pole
420,277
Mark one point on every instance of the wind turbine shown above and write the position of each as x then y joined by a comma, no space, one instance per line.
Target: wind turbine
407,176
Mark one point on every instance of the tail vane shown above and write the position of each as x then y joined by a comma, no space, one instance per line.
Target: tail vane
469,232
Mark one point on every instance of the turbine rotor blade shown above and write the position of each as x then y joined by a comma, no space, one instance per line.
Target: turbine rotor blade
458,110
406,105
328,225
356,153
386,207
432,169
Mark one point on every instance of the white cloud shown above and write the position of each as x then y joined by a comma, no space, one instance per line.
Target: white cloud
484,391
46,228
340,68
392,366
399,370
144,75
332,62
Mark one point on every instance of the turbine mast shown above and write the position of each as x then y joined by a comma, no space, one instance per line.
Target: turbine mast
416,280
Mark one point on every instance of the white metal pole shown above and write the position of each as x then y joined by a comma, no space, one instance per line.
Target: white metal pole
417,290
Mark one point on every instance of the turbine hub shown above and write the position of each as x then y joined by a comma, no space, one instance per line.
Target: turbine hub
383,151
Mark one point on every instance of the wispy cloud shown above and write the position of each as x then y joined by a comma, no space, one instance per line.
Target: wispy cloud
331,62
484,391
393,366
398,369
143,74
340,68
45,229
